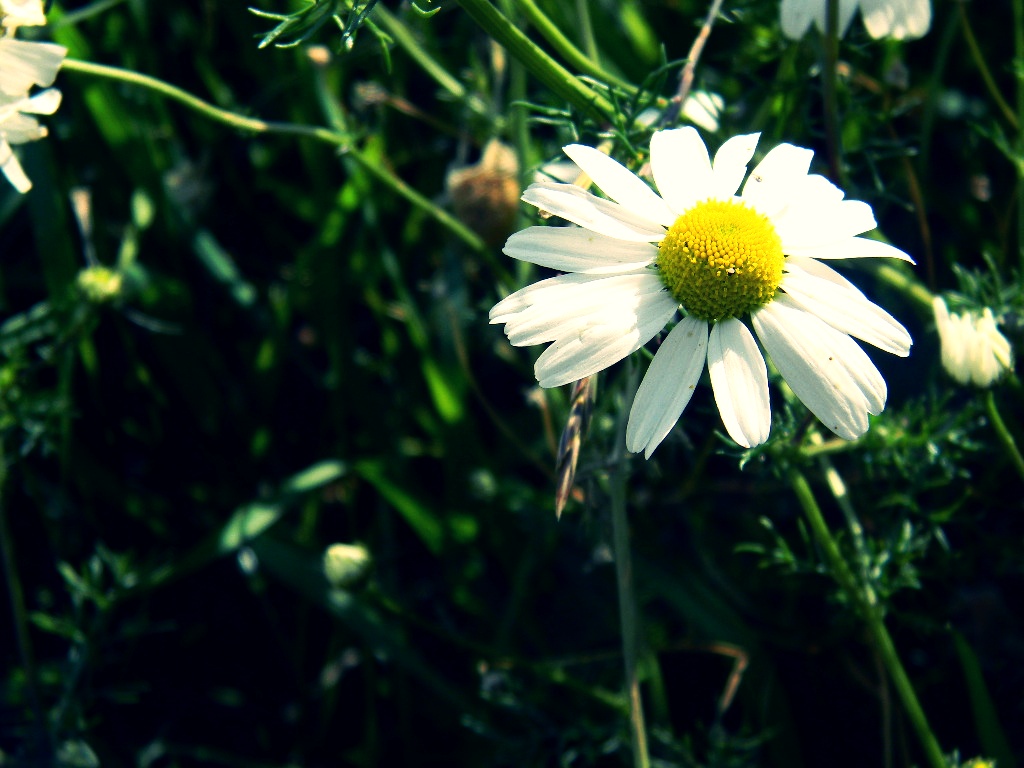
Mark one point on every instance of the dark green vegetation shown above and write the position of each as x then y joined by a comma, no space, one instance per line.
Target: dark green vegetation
298,355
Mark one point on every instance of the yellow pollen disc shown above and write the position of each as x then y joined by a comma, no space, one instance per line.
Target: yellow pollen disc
721,259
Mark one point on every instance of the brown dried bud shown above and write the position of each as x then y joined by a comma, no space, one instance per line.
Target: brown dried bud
485,196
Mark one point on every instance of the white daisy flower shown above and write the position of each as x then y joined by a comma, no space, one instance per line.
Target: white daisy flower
24,63
17,127
898,19
973,349
21,13
635,260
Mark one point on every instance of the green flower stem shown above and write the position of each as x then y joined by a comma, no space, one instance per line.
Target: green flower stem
330,136
587,30
628,618
16,595
839,492
552,74
1018,51
906,284
204,108
863,599
407,40
574,56
93,9
979,61
1003,433
829,81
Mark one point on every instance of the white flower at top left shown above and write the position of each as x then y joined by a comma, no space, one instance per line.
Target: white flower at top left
24,65
22,13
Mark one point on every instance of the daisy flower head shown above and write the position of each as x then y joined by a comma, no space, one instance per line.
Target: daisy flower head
728,263
898,19
973,349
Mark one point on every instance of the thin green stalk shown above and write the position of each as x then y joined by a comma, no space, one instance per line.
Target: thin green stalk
905,283
862,598
16,595
407,40
1003,433
1018,56
552,74
587,31
573,56
829,86
628,617
93,9
837,486
173,92
979,61
330,136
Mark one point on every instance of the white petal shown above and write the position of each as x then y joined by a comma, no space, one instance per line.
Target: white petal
898,19
796,16
621,184
848,311
773,181
602,216
809,355
667,386
808,226
584,354
24,63
730,164
612,301
534,293
702,109
851,248
814,189
43,103
739,378
11,168
575,249
861,370
815,268
681,166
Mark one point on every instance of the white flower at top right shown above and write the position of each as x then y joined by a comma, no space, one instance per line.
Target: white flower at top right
898,19
973,349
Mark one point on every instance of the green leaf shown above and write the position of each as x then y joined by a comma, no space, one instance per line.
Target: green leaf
986,717
417,514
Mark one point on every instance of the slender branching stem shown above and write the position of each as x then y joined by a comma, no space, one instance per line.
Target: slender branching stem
405,38
863,599
686,76
587,31
628,615
16,596
1018,60
829,87
979,61
1003,433
573,56
548,71
337,138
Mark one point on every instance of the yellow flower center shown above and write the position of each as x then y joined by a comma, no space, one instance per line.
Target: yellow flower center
721,259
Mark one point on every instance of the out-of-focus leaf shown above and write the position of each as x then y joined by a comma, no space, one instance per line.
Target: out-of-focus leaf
417,513
986,716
